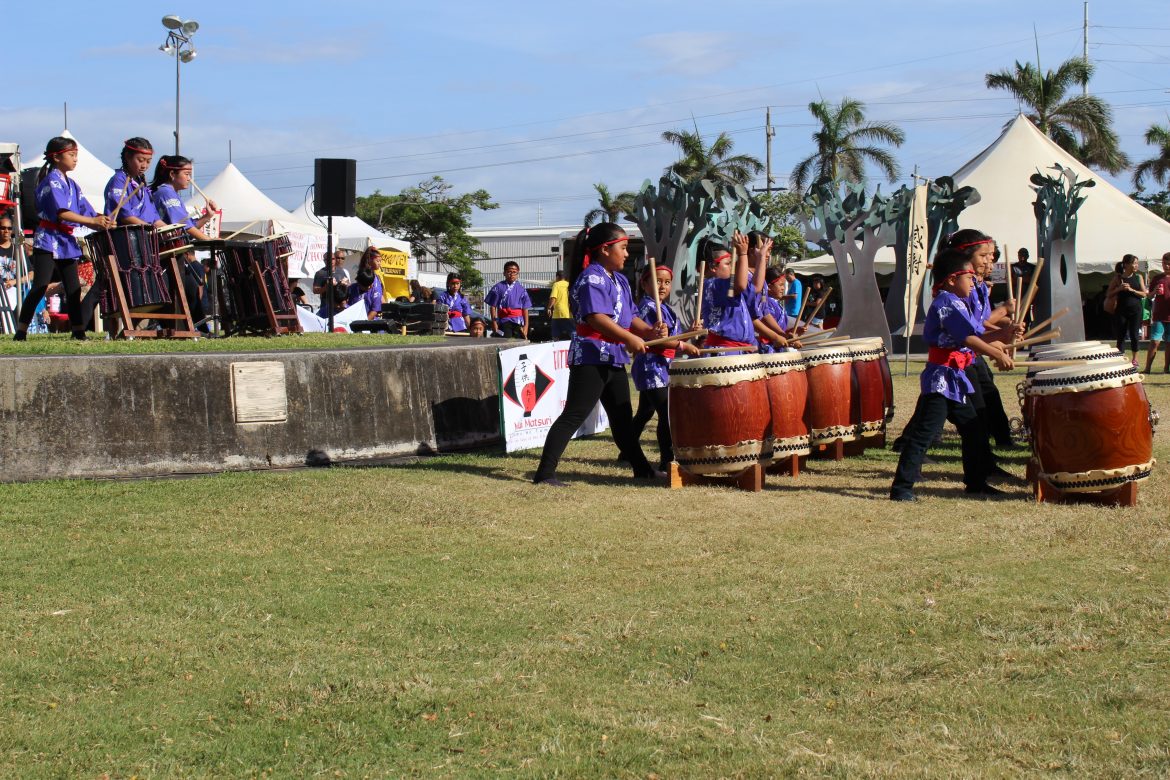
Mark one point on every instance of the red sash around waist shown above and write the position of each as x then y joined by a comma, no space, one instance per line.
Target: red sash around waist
715,340
60,227
941,356
666,352
503,311
456,313
586,332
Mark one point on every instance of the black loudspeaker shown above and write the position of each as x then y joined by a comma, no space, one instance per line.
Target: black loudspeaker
334,187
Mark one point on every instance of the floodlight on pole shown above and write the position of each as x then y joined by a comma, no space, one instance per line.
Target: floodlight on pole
178,43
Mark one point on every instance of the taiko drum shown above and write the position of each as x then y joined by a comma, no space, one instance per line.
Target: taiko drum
1092,351
719,413
787,382
871,398
830,394
1092,426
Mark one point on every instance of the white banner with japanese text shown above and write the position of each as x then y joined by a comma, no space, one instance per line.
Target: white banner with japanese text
534,383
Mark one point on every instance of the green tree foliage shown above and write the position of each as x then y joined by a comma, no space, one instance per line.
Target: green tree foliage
714,163
435,222
1158,167
782,207
844,143
610,208
1157,202
1079,124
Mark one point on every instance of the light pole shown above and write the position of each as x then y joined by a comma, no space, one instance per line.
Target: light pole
178,43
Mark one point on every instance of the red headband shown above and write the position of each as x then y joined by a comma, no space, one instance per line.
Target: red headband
966,272
973,243
180,167
720,257
127,145
62,151
657,268
588,257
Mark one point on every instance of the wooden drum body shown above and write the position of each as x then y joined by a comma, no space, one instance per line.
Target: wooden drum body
787,382
830,394
140,272
719,414
1093,351
1092,427
870,399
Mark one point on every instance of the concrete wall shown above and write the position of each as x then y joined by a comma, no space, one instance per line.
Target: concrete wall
150,415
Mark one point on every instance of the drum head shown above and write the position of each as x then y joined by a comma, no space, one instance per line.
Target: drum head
815,356
719,370
1083,377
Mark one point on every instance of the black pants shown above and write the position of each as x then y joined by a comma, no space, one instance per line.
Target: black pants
587,386
191,284
512,330
932,411
988,403
651,402
44,268
1126,320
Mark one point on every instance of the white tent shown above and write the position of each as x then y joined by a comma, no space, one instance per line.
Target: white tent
352,233
246,208
1109,223
91,174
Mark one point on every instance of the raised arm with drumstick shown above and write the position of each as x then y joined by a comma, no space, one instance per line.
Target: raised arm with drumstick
61,208
606,326
727,306
172,175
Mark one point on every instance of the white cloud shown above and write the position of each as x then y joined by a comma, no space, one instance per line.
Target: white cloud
691,54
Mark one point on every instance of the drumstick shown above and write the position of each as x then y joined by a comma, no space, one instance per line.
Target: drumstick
831,340
818,333
654,282
820,303
454,333
699,305
679,337
126,193
241,230
202,194
716,350
1031,289
1037,340
175,251
800,313
1046,323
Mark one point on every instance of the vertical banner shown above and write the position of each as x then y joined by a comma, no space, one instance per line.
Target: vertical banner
534,382
916,249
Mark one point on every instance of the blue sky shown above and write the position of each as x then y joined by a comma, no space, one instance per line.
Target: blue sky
537,101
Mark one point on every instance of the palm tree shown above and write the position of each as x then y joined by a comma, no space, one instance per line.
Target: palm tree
845,142
610,208
714,163
1157,168
1079,124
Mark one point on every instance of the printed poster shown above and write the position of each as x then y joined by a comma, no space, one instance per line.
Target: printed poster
534,382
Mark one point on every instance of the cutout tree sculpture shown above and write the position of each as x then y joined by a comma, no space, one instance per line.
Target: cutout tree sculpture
1058,198
853,229
676,215
943,205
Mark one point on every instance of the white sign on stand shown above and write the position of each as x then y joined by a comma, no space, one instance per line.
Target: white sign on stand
534,383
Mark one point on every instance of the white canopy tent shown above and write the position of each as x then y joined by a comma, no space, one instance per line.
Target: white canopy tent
91,174
355,234
245,207
1109,223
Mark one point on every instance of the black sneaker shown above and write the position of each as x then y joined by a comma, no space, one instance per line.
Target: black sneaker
903,497
551,482
20,335
79,335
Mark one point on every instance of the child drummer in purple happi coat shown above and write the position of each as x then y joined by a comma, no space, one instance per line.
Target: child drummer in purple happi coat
731,307
607,327
952,332
458,309
509,303
651,369
61,208
137,207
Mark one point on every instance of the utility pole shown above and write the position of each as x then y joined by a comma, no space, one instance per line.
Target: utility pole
769,134
1085,46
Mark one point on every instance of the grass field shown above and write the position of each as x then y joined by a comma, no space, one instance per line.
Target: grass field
62,344
447,618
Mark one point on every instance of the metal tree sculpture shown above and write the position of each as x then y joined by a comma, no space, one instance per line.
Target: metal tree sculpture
676,215
1057,200
853,229
943,205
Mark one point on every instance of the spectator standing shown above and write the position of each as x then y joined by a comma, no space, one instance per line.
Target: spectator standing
793,296
341,281
1159,315
1128,289
558,309
816,293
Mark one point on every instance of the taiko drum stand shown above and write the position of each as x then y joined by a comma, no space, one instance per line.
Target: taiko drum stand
180,313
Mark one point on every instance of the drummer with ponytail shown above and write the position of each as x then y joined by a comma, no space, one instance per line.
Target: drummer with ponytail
61,208
127,192
606,327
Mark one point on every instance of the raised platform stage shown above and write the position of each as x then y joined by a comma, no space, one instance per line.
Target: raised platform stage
156,415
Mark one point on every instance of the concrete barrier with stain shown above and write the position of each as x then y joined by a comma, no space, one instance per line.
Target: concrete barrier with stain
153,415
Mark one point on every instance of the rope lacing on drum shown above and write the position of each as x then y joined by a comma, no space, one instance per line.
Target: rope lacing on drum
714,370
1120,373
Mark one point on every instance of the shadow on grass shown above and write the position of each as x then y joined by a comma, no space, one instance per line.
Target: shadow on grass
505,474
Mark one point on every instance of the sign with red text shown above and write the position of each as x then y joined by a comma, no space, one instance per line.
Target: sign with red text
534,382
